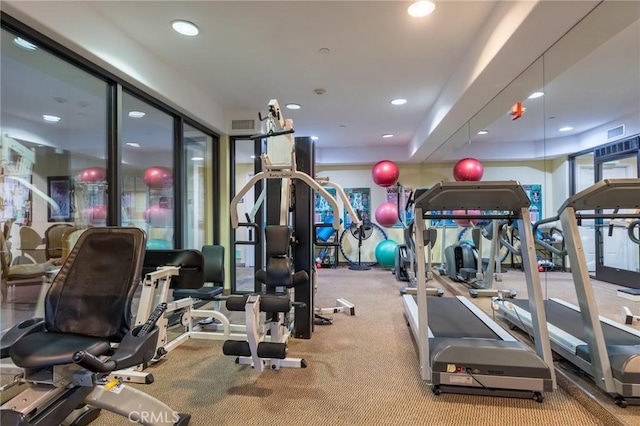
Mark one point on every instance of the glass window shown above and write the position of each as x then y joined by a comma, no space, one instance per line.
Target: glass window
198,161
147,171
53,158
245,262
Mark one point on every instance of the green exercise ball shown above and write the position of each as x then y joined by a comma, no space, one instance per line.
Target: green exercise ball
386,253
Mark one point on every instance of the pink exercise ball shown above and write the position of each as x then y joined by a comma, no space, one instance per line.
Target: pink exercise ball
158,177
468,169
385,173
387,214
465,223
97,213
92,174
157,216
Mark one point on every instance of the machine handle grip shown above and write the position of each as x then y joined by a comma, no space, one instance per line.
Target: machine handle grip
152,320
93,363
252,241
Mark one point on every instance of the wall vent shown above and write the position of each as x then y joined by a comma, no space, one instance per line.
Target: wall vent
243,124
616,149
616,132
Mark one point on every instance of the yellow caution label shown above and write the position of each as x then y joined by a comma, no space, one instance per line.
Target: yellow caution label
113,383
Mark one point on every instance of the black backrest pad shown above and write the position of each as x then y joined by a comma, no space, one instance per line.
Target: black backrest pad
277,239
213,264
91,295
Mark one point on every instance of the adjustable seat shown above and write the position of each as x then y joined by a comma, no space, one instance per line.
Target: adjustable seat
68,354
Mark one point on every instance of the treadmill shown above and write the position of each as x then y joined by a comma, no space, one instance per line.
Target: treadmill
607,351
461,349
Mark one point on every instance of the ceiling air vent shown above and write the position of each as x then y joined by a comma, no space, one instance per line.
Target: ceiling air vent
243,124
616,132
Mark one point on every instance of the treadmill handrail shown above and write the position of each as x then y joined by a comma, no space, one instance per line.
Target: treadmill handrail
608,194
484,196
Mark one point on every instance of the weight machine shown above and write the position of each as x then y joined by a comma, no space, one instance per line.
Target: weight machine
182,270
406,256
68,355
465,263
287,167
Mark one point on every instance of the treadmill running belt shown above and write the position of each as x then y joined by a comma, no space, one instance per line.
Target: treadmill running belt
448,317
570,321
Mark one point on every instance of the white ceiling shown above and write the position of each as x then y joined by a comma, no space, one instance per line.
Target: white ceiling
251,51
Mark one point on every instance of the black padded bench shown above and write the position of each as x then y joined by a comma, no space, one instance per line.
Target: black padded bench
213,273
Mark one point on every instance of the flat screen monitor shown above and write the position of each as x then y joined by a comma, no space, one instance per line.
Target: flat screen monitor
191,265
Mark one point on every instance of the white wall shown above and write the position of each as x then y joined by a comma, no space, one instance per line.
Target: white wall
552,175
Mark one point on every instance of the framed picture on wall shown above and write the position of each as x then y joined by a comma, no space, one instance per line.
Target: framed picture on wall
323,212
360,199
534,192
60,192
15,198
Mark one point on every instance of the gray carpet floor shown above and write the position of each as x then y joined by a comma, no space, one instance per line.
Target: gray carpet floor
362,370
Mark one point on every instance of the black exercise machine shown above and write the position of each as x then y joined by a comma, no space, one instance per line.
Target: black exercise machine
68,354
287,168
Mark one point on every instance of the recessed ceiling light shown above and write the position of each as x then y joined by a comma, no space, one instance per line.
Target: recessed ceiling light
398,101
133,144
387,135
483,132
137,114
197,158
185,27
50,118
252,156
536,95
24,44
565,129
314,138
293,106
421,8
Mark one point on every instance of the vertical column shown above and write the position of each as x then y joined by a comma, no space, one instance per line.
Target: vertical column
534,291
303,228
114,154
423,317
601,367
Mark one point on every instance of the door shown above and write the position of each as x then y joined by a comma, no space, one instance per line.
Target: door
585,177
618,258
